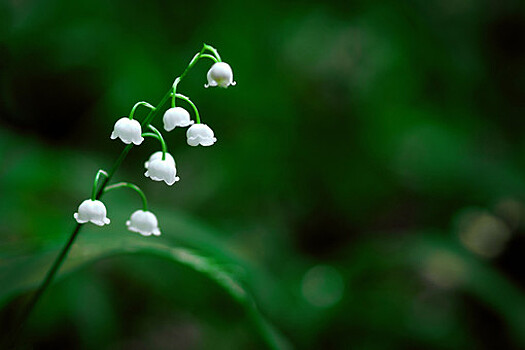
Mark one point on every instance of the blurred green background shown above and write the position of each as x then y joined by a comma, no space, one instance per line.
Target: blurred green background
366,190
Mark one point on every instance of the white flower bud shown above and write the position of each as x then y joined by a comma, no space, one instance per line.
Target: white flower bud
200,134
162,170
158,155
220,74
128,130
143,222
93,211
176,116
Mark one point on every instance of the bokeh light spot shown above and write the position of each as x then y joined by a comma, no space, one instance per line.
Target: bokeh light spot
444,269
483,233
322,286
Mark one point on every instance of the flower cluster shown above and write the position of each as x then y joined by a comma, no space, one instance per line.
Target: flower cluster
161,165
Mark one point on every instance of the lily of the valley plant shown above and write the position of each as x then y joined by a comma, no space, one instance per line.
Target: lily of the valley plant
159,167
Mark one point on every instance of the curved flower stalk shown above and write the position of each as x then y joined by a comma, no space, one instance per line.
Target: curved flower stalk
185,98
197,134
142,220
159,167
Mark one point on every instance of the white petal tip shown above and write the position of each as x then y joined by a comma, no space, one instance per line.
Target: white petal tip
80,221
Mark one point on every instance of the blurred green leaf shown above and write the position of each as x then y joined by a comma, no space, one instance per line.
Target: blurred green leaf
21,274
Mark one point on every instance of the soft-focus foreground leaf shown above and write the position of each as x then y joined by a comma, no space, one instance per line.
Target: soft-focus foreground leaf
24,273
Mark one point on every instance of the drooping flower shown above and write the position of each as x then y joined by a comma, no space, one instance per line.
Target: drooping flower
158,155
128,130
176,116
220,74
162,170
143,222
92,211
200,134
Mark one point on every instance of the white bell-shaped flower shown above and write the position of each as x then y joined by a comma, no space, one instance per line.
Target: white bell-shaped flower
158,155
220,74
143,222
200,134
162,170
128,130
93,211
176,116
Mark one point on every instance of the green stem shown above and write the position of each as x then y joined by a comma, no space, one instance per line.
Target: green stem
141,103
12,339
197,57
63,253
133,187
212,50
157,135
95,183
210,57
197,116
174,92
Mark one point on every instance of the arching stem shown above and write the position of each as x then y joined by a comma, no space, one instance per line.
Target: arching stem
174,92
156,134
133,187
141,103
197,116
95,183
213,51
211,57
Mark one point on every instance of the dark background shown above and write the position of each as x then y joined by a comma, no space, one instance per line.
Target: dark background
366,189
